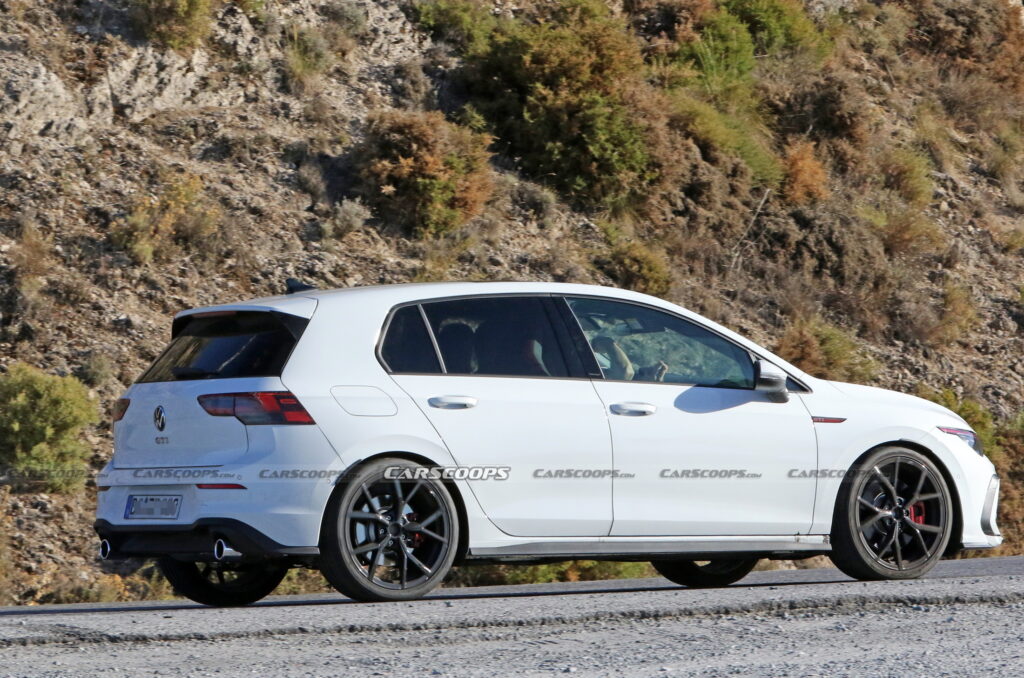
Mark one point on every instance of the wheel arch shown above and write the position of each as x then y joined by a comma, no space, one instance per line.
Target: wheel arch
457,498
956,535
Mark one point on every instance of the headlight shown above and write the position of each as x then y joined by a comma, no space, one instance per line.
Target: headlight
966,435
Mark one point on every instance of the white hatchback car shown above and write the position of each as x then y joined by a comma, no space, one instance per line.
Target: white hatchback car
383,434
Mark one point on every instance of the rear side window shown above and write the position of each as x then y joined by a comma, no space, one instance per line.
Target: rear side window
504,336
407,347
228,346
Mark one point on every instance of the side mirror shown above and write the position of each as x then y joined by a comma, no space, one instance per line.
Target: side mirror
771,381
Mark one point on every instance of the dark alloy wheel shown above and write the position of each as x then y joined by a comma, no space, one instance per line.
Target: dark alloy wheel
893,517
223,584
387,539
700,574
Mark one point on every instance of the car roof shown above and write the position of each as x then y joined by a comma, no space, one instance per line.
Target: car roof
398,293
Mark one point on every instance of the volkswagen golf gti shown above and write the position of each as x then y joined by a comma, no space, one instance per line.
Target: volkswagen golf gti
385,434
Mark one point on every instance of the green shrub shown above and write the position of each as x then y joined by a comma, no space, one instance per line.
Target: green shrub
825,351
422,172
178,24
41,419
565,95
467,24
723,58
716,132
779,26
637,267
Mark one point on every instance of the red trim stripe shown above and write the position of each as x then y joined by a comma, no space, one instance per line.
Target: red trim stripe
828,420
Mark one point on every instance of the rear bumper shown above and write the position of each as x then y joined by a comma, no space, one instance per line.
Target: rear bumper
194,541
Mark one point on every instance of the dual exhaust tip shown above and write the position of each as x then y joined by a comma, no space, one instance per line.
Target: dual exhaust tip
222,551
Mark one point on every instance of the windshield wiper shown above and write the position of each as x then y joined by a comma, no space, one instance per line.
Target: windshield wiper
184,373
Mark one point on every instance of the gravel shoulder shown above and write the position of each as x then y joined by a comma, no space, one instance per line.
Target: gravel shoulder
966,619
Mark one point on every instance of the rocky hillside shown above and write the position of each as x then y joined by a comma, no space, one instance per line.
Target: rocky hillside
841,180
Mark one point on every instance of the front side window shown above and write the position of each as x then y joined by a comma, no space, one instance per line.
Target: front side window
407,347
502,336
636,343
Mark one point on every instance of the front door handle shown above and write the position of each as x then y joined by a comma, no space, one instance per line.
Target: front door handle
633,409
453,402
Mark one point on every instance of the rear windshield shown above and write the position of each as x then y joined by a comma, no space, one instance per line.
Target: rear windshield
228,346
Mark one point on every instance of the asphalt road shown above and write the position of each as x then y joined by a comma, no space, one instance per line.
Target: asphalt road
965,619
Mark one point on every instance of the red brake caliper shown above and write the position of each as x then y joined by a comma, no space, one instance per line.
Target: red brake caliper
417,538
917,512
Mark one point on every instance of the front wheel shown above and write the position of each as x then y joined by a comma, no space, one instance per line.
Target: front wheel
893,516
387,539
703,574
222,584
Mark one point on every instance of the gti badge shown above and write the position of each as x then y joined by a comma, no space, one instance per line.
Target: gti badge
159,418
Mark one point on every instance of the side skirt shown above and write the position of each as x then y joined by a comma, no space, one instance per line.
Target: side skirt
700,548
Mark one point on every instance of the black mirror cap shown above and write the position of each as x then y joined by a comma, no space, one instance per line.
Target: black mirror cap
771,383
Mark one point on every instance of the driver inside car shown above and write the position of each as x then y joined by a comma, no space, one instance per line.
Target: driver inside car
615,364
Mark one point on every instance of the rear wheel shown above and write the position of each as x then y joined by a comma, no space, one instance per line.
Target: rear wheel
223,584
385,539
700,574
893,517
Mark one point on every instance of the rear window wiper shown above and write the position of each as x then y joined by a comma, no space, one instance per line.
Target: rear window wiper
184,373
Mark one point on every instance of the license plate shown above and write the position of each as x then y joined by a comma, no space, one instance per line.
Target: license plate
143,506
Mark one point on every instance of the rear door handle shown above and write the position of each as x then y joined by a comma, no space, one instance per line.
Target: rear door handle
633,409
453,402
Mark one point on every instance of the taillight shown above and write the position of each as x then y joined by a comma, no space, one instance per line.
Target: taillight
253,409
120,407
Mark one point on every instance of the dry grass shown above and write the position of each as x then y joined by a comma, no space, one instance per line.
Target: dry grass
178,24
32,258
907,172
806,177
903,229
825,351
307,56
180,219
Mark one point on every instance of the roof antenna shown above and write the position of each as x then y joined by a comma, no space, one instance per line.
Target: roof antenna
293,285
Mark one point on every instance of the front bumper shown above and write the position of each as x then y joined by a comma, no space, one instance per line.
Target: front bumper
987,534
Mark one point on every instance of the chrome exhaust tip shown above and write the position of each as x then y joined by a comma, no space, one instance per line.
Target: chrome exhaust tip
105,549
221,551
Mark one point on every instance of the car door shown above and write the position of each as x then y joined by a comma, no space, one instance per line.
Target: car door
698,450
511,395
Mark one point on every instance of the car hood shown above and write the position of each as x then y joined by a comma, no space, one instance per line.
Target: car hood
881,397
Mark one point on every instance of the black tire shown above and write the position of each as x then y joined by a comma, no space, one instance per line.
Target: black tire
893,518
385,539
705,574
223,584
